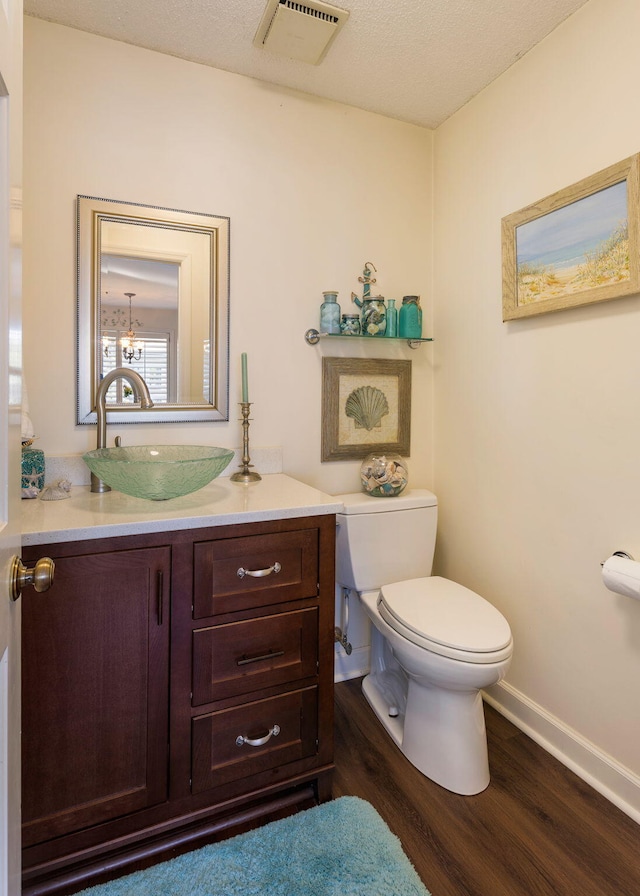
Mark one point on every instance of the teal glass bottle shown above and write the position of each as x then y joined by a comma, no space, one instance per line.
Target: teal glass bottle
410,318
392,318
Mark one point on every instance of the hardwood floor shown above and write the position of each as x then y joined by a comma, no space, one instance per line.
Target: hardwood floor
537,830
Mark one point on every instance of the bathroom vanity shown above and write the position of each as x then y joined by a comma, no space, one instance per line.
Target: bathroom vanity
177,676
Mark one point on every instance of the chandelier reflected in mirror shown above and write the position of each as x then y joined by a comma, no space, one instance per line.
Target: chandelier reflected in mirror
131,347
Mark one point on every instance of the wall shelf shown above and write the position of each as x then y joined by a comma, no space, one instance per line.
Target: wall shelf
312,337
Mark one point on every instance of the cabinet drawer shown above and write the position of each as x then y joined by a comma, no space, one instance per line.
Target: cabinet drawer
242,573
240,657
219,755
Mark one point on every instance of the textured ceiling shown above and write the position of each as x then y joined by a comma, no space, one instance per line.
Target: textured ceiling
415,60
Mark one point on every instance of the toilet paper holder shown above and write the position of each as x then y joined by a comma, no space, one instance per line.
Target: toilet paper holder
624,554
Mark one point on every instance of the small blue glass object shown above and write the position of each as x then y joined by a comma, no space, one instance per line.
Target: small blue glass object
350,325
330,314
392,318
410,318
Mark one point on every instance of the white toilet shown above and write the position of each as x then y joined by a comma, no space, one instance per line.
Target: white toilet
435,644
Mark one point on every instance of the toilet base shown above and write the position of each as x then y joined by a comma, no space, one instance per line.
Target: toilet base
445,737
440,725
442,734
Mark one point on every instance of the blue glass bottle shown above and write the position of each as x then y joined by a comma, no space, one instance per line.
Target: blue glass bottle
392,318
410,318
330,314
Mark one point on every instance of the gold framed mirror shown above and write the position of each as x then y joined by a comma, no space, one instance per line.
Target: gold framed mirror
153,295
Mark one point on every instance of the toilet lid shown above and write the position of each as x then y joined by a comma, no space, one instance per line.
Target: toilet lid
445,613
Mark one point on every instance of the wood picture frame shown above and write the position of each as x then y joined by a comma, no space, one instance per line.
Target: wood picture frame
366,407
575,247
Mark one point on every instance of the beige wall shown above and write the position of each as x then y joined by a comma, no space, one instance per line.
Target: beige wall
313,190
537,430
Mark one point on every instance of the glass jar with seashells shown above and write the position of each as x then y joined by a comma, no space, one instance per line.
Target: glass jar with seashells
374,316
383,475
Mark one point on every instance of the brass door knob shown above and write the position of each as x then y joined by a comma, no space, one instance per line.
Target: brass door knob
40,576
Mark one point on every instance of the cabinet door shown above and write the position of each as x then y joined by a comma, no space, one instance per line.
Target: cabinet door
95,691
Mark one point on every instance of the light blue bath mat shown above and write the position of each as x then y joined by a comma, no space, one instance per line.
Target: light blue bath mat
341,848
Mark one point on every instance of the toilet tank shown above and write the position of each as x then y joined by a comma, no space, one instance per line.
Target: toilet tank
384,540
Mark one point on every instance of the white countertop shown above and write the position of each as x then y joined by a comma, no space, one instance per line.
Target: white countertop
86,515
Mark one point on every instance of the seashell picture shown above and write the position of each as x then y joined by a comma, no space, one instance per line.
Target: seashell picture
366,407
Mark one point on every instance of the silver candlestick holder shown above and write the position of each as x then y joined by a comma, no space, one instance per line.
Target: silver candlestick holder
245,474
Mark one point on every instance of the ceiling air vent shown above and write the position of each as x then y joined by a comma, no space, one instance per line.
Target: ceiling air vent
301,31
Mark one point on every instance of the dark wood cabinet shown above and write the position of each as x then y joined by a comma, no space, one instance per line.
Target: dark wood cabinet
177,689
95,680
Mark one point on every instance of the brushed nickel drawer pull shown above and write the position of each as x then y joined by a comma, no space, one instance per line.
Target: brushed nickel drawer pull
244,659
258,741
259,573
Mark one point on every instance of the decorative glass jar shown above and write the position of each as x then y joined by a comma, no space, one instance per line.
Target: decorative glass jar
330,314
374,316
350,325
410,318
383,475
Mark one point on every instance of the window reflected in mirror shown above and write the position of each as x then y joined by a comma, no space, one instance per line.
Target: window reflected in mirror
140,329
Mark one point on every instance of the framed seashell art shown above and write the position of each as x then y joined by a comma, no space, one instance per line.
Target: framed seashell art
366,407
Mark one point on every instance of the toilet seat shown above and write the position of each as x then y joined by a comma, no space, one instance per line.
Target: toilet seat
447,619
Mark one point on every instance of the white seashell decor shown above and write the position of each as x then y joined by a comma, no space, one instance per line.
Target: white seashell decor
57,491
384,475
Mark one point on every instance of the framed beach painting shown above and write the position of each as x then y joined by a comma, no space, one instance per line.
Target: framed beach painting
366,407
576,247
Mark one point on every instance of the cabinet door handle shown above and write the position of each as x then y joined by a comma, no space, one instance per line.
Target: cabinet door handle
244,659
159,595
259,573
258,741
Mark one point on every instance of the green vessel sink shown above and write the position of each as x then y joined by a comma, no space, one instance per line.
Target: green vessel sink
158,472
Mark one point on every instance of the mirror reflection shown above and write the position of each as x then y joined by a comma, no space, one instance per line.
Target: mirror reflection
153,296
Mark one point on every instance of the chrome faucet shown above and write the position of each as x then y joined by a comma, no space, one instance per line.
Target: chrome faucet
140,393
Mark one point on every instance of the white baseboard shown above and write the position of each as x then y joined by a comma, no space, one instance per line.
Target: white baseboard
615,782
350,666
